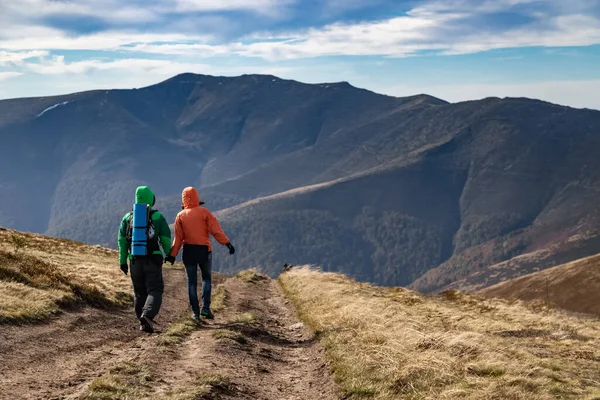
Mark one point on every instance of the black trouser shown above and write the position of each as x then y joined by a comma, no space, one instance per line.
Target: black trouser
148,285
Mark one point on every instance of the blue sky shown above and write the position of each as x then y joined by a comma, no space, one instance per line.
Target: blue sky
453,49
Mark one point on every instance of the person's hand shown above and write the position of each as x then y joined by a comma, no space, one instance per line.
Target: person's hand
125,268
231,248
170,259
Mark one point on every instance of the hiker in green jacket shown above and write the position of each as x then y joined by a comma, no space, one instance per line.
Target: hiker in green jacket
146,271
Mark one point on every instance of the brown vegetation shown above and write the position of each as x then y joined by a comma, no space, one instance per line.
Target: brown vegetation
573,286
40,276
389,343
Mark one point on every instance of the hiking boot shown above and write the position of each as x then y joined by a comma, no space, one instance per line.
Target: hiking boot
207,314
146,324
196,317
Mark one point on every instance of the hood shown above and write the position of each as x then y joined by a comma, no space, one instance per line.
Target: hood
144,195
190,198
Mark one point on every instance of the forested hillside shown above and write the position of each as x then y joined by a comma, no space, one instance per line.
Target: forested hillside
392,190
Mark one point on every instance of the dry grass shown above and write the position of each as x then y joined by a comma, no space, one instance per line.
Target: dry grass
124,382
572,286
41,275
251,276
92,265
132,381
205,387
390,343
109,388
34,289
19,302
178,331
141,373
247,318
230,335
219,299
197,392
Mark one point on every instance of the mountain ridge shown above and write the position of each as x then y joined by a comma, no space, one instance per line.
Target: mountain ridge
572,286
504,171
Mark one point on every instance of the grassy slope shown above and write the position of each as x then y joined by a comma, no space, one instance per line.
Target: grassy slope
573,286
480,266
130,380
389,343
41,275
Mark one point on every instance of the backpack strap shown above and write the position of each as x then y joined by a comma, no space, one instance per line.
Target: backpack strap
154,242
129,231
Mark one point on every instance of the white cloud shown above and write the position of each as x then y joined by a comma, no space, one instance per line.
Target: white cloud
58,66
427,30
56,76
53,39
446,27
394,37
471,6
17,58
562,31
267,7
113,10
581,94
122,11
197,49
8,75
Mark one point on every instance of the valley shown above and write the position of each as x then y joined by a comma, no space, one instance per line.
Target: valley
409,191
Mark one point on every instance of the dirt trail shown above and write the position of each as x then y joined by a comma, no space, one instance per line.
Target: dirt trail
50,360
257,345
278,358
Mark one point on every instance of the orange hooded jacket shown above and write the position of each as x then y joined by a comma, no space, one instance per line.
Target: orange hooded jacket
194,224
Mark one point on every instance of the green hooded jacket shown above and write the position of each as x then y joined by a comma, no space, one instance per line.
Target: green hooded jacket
143,195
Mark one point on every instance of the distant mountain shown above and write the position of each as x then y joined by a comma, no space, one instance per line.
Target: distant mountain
513,179
476,268
392,190
388,225
80,156
573,286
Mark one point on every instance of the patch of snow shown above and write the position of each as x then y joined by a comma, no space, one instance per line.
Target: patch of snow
64,103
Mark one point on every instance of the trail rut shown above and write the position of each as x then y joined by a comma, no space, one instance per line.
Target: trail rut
278,358
257,345
50,360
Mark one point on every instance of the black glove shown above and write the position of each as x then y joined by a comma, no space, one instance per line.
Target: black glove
125,268
170,259
231,248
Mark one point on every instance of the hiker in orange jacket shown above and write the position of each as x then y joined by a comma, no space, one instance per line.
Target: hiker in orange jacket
193,226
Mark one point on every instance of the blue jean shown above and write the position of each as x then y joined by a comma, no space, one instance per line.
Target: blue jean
192,281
